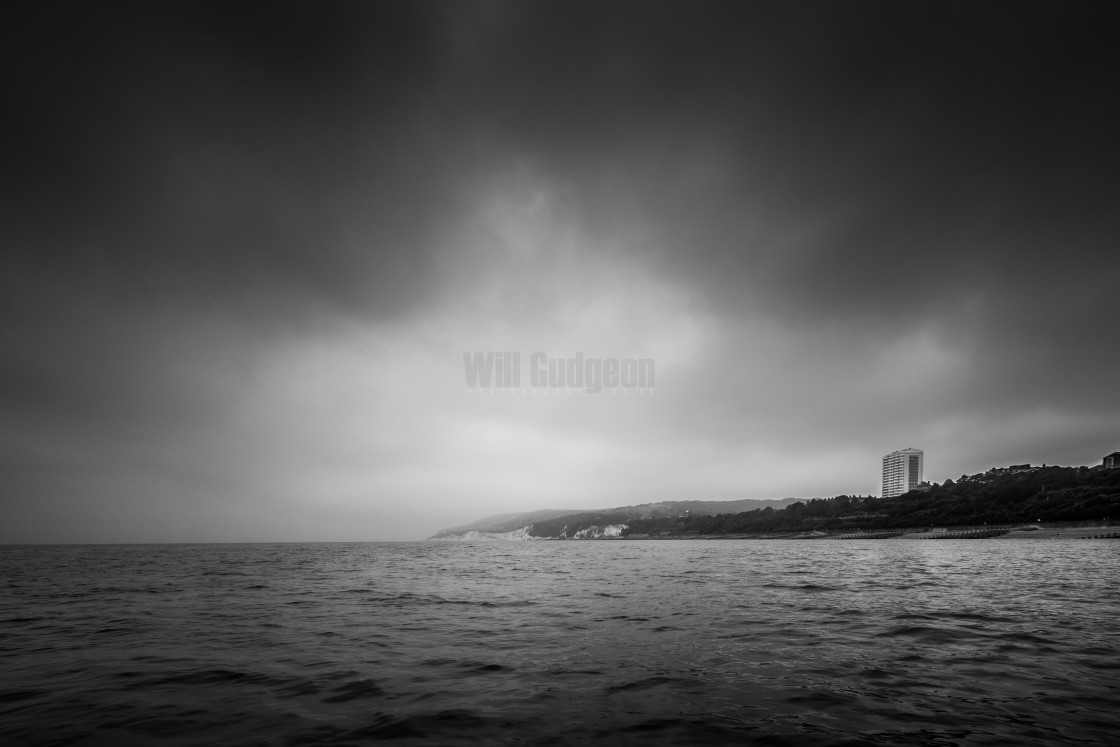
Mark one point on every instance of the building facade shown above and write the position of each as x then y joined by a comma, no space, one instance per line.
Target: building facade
902,471
1112,461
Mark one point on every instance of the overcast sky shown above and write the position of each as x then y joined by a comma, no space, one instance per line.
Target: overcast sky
245,247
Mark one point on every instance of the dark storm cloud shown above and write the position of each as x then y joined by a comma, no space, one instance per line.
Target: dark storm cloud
869,169
208,148
246,165
878,163
189,186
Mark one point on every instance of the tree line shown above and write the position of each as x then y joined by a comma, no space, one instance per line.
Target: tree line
1047,494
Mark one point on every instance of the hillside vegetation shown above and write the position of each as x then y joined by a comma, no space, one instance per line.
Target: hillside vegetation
1041,494
551,522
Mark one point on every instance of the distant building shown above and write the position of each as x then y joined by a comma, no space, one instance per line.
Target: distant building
1112,460
1013,468
902,471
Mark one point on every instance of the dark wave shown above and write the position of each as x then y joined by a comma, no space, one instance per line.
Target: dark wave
555,644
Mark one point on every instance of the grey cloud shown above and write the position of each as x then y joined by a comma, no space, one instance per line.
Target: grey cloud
222,148
202,180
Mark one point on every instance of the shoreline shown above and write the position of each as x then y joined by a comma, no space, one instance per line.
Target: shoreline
1108,531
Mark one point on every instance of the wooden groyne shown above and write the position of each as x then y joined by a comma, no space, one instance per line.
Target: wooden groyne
966,534
885,534
865,536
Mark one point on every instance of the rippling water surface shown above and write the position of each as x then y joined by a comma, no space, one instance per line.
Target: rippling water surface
675,642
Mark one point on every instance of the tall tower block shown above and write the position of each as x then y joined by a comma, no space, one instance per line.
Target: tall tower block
902,471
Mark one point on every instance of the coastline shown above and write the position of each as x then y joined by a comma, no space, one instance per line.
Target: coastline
1063,532
1106,531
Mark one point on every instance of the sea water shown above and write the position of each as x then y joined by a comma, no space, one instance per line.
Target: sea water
957,642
